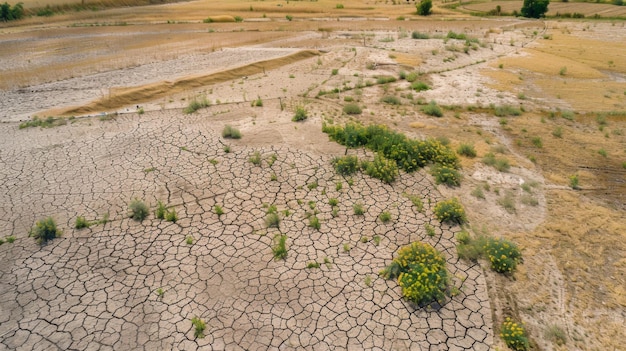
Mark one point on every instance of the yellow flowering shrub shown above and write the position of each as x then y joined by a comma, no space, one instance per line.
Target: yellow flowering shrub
450,211
514,335
346,165
421,273
503,255
382,168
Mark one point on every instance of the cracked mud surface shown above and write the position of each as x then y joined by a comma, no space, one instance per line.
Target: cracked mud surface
95,288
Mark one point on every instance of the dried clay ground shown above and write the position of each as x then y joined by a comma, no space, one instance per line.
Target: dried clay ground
127,74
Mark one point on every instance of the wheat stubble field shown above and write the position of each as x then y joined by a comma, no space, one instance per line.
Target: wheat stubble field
541,102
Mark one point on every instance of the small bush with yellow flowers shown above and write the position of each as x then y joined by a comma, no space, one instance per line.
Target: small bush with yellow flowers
381,168
346,165
450,211
446,175
514,335
503,255
421,273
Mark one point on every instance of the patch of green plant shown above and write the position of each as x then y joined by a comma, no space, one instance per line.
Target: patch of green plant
537,142
368,281
478,193
279,249
352,109
189,240
199,326
230,132
602,153
338,186
508,202
555,334
381,168
289,18
333,202
138,210
499,163
385,79
312,185
257,103
466,150
358,209
346,247
10,239
385,216
421,273
313,265
376,240
272,220
418,35
218,210
255,158
364,239
48,122
558,132
391,100
171,216
81,222
514,335
430,230
160,210
470,248
196,104
314,223
424,7
446,175
574,182
238,19
419,86
432,109
503,255
346,165
450,211
416,200
45,230
506,110
301,114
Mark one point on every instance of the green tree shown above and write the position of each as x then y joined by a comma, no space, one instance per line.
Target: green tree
535,8
424,7
8,13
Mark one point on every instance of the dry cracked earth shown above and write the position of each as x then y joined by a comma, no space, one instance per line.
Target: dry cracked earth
96,288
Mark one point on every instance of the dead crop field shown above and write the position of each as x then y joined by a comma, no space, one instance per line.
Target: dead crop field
243,175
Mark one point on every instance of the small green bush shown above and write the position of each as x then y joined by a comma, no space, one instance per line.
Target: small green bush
446,175
352,109
230,132
385,79
358,209
272,220
506,110
385,216
314,222
138,210
424,8
238,19
391,100
419,86
81,222
503,255
450,211
334,72
218,210
418,35
257,103
279,249
499,163
199,327
333,202
514,335
313,265
44,230
255,158
346,165
466,150
382,168
160,211
289,18
574,182
432,110
537,142
430,230
171,216
301,114
195,104
421,273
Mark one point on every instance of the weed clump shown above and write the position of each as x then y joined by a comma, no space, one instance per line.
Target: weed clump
450,211
301,114
466,150
382,168
195,104
280,249
230,132
346,165
45,230
514,335
446,175
432,110
503,255
421,273
352,109
199,327
138,210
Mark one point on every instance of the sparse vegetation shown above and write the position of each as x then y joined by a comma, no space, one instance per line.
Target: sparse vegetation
430,230
466,150
421,273
391,100
358,209
503,255
313,265
555,334
446,175
419,86
573,182
255,158
450,211
385,216
81,222
171,216
160,211
279,249
346,165
432,109
499,163
45,230
417,202
230,132
301,114
508,202
48,122
418,35
138,210
352,109
314,223
506,110
199,326
196,104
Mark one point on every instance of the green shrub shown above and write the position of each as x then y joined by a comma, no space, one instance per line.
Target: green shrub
537,142
314,222
160,211
10,239
503,255
430,230
289,18
417,202
48,122
231,132
218,210
466,150
385,216
8,13
418,35
81,222
432,110
573,182
499,163
199,327
411,77
279,249
346,165
558,132
508,202
255,158
44,230
446,175
514,335
238,19
419,86
195,104
385,79
421,273
171,216
138,210
382,168
257,103
352,109
333,202
391,100
506,110
272,220
300,115
358,209
424,7
189,240
334,72
450,211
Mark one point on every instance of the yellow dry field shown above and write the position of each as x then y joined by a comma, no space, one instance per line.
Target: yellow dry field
573,241
587,9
